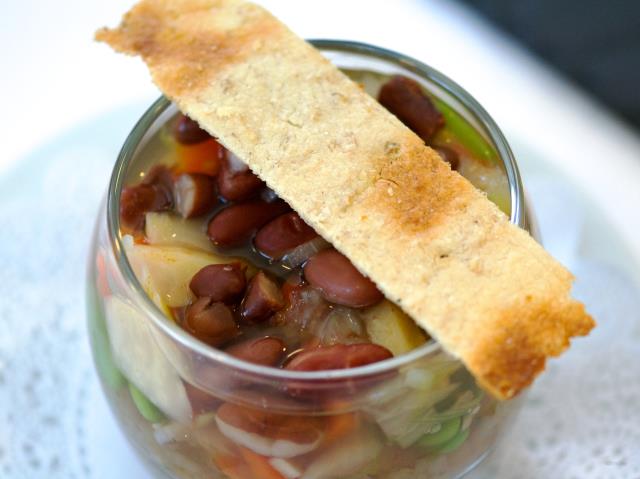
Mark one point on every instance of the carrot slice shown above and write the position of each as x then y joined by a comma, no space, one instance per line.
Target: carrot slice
233,466
260,465
204,157
340,425
101,276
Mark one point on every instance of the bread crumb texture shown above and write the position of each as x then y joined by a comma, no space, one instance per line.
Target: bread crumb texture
433,243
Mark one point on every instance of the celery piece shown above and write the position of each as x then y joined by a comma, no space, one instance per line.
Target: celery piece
146,408
447,432
501,200
101,346
465,132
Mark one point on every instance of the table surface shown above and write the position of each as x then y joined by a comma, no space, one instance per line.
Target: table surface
70,101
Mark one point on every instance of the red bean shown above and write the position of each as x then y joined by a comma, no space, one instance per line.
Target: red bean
293,283
339,356
234,184
263,298
201,401
339,281
448,155
235,224
137,200
154,193
301,434
210,321
162,176
195,194
220,282
266,351
188,132
282,235
404,98
304,314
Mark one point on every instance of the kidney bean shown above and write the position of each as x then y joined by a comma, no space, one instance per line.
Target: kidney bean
210,321
339,356
263,298
220,282
201,401
305,311
448,155
294,282
268,195
283,234
195,194
279,435
154,193
188,132
162,176
137,200
339,281
236,183
404,98
266,351
235,224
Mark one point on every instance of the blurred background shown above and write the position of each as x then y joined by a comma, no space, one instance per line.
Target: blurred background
595,44
559,77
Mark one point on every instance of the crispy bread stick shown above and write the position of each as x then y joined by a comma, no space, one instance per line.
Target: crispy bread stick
432,243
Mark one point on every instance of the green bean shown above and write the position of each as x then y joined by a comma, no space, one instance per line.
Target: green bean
448,431
454,443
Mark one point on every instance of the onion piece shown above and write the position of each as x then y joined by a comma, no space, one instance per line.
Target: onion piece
341,326
170,432
285,467
302,253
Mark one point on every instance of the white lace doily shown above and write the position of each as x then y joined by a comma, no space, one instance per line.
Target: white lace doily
580,420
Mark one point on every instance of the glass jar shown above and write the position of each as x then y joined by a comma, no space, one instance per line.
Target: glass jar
420,414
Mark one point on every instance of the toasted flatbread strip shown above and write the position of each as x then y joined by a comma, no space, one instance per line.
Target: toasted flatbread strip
432,242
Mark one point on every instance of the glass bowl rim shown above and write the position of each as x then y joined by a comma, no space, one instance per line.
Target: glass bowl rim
151,310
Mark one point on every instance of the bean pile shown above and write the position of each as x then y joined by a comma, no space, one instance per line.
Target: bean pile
240,271
307,317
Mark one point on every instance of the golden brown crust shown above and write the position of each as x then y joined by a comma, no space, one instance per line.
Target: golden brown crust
432,242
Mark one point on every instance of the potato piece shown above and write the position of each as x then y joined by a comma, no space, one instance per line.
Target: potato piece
171,230
488,178
346,457
388,326
165,271
138,355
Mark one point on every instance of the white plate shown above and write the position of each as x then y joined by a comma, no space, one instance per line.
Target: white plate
580,419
